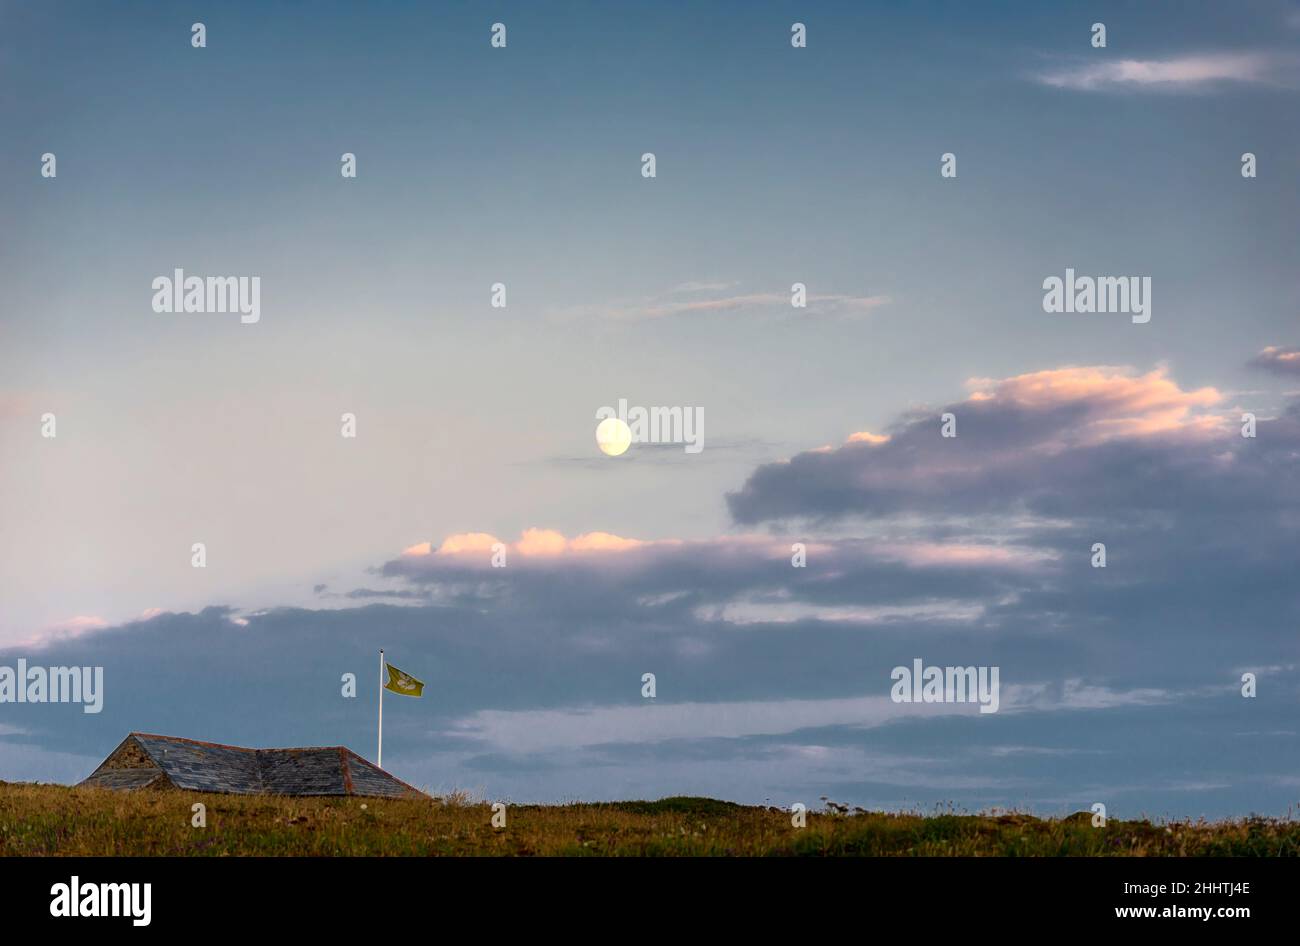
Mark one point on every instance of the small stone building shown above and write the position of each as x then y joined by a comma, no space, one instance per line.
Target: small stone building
147,761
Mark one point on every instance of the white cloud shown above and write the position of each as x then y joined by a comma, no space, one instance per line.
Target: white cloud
573,727
672,304
1180,73
547,730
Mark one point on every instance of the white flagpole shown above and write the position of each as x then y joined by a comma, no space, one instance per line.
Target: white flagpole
379,759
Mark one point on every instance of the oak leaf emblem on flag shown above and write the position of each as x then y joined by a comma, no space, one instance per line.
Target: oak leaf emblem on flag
399,681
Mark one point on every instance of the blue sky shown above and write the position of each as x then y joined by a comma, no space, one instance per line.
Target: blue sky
774,165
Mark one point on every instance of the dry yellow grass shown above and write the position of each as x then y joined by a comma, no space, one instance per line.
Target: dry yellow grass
38,820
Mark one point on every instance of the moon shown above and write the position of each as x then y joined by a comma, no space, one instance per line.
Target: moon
613,436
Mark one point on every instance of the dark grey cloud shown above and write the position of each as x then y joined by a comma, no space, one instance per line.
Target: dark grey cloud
1090,444
1283,361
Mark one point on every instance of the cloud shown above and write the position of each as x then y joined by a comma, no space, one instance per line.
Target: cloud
673,304
1179,73
703,286
585,727
529,706
1054,442
541,542
70,628
693,589
603,542
1114,402
773,680
477,547
467,542
1283,361
574,727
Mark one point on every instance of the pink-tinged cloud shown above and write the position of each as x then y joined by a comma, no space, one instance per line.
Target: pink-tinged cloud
65,630
532,543
541,542
1115,402
920,554
1283,361
603,542
663,570
462,542
80,624
1030,439
544,544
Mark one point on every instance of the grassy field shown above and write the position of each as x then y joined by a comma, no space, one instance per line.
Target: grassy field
40,820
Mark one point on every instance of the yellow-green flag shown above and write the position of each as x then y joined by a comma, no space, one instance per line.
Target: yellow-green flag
403,683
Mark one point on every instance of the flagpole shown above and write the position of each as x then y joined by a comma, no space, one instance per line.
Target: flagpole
379,760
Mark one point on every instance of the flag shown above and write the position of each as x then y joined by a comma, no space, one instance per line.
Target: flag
403,683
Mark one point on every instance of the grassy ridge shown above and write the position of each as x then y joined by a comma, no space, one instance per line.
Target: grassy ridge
56,820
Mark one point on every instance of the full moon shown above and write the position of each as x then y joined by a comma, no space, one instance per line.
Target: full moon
613,436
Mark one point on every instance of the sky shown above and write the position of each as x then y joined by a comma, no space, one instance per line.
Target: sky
774,165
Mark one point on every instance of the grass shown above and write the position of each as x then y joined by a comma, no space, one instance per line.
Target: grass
38,820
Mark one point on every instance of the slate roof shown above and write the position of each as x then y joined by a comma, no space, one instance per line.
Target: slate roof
124,779
145,760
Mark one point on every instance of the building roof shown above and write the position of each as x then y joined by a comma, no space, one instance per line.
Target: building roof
145,760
